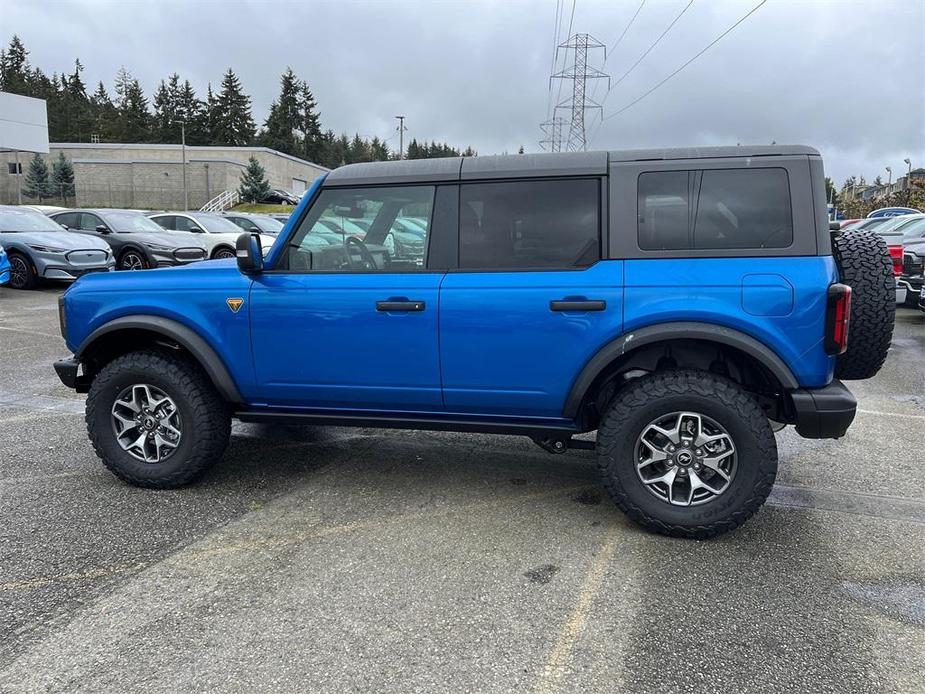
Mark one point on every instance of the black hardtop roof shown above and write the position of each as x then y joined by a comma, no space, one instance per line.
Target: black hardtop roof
535,165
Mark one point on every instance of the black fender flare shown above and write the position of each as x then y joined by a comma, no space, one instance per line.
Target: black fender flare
138,248
687,330
201,350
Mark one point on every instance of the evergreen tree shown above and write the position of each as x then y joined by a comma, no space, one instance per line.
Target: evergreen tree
62,178
469,152
193,113
37,184
254,184
133,122
167,114
212,115
281,128
358,151
75,107
102,114
14,68
378,150
234,124
312,140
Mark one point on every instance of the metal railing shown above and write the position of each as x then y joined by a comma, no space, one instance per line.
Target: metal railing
221,202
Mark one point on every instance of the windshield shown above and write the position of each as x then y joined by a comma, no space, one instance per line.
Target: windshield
914,229
27,220
892,224
267,224
127,222
217,225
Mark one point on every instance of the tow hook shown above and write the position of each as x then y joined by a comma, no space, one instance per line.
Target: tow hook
560,444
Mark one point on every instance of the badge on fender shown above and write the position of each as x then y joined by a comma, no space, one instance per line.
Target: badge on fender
234,304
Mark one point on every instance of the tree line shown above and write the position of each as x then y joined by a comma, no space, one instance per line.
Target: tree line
223,117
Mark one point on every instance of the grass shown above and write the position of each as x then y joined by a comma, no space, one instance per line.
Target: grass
263,209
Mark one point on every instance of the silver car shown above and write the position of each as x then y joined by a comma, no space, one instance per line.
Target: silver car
39,247
217,233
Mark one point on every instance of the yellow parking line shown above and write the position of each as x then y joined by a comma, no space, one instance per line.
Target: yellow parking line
571,630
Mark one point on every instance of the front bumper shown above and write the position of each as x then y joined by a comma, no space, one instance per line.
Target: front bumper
56,272
68,371
823,413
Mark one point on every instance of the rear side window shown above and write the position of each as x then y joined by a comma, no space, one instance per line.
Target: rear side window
529,224
715,209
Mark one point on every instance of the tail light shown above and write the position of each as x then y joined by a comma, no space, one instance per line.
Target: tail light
837,317
896,255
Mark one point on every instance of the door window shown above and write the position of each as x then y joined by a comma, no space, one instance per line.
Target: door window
69,219
184,224
529,224
363,230
89,222
166,221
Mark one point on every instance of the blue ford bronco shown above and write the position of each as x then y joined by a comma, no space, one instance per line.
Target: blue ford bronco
682,303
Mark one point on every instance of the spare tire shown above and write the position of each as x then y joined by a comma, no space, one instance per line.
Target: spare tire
864,264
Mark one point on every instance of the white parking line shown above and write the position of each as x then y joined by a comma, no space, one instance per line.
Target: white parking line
38,415
31,332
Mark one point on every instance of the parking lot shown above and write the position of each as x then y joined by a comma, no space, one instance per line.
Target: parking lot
338,560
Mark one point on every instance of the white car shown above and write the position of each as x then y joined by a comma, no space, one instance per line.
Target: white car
218,234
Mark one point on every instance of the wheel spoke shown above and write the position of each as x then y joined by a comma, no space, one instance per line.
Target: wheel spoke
657,454
715,463
146,423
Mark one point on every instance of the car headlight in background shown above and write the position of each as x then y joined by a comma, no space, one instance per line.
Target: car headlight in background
46,249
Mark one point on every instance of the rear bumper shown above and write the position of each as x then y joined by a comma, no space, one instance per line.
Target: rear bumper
823,413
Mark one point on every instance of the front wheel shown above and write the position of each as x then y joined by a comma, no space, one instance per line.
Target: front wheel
686,453
22,276
155,420
132,260
223,252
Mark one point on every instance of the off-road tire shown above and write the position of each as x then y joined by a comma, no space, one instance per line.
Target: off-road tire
24,263
647,398
864,264
206,422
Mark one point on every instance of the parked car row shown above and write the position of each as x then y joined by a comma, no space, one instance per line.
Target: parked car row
64,244
905,238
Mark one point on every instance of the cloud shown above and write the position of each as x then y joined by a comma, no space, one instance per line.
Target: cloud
846,77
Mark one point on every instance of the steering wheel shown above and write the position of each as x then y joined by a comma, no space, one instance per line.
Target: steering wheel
365,255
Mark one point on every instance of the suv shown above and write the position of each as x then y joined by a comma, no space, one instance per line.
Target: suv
217,234
540,308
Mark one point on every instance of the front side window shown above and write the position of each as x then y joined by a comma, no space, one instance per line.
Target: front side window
184,224
529,224
89,222
363,229
714,209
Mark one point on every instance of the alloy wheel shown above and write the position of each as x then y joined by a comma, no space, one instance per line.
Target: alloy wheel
685,458
132,261
19,272
224,253
146,423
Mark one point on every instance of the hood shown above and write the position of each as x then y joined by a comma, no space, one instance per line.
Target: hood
174,239
57,239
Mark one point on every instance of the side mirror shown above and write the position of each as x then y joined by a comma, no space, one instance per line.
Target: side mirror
253,229
102,228
249,253
834,226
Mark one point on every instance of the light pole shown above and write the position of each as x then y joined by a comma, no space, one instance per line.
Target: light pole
889,178
401,136
908,163
183,151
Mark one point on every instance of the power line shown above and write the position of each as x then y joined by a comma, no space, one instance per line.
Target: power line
618,42
568,35
579,73
704,50
555,49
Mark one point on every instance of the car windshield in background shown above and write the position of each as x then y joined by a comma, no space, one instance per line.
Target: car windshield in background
27,220
216,224
914,229
127,222
267,224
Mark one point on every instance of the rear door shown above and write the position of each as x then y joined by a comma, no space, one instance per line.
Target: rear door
531,301
349,322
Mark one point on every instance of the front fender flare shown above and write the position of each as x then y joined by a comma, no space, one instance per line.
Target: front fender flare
686,330
201,350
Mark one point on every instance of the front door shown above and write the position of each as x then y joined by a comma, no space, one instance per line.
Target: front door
347,319
531,302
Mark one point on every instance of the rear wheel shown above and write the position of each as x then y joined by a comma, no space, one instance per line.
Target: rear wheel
22,275
864,264
155,420
686,453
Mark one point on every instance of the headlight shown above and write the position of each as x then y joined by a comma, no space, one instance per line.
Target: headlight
46,249
156,247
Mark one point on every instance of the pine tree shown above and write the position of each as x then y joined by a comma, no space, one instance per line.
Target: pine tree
167,115
193,112
312,140
254,184
37,184
234,124
75,107
14,68
133,118
62,178
102,114
358,151
212,115
378,150
285,118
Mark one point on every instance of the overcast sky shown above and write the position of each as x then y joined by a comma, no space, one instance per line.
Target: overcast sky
846,77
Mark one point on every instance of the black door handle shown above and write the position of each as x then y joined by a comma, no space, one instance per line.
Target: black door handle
577,305
399,306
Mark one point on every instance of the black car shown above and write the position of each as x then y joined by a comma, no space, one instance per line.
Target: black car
137,243
256,223
279,197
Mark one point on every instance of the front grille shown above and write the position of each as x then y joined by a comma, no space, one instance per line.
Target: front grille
189,254
88,271
85,257
913,264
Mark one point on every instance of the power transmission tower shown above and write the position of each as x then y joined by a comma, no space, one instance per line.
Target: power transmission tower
579,72
554,131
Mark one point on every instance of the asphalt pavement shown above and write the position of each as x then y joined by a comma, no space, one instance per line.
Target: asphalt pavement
333,560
